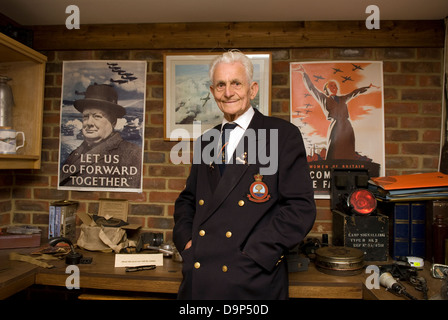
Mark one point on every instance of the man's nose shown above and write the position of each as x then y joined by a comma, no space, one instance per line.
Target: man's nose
229,90
88,120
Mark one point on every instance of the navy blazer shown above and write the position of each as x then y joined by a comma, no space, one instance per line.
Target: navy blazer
242,224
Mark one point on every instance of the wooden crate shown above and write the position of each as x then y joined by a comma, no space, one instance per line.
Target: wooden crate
367,233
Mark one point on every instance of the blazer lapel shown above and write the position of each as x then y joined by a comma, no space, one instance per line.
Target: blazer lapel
222,186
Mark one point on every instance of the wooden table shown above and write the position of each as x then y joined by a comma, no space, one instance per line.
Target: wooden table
101,274
14,275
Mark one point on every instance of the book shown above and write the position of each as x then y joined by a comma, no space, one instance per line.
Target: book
409,229
400,239
420,186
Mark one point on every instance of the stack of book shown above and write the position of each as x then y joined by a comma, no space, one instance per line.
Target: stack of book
405,200
412,187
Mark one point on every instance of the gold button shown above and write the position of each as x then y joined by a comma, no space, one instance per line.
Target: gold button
279,260
228,234
224,268
241,203
202,233
201,202
197,265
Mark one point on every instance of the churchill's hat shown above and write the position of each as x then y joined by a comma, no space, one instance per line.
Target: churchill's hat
102,96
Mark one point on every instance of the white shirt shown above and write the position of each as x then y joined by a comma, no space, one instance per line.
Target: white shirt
237,133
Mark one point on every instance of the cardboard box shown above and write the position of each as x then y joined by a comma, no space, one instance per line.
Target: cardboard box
367,233
11,241
111,210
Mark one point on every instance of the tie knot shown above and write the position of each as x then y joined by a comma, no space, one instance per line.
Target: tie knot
229,126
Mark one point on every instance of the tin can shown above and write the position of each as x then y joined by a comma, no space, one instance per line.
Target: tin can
341,261
6,102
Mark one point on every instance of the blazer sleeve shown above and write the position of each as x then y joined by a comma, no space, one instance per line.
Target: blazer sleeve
296,210
185,204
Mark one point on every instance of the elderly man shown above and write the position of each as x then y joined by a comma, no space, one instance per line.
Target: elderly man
104,159
234,226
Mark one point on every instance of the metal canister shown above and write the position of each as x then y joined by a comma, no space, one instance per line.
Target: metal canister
6,102
342,261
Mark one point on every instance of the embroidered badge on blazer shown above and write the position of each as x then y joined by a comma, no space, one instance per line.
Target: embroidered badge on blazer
258,190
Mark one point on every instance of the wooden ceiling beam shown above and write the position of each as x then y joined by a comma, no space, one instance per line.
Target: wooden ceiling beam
227,35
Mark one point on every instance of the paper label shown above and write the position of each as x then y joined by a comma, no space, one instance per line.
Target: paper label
138,260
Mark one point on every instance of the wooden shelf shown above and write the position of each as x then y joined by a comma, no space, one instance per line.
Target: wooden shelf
26,68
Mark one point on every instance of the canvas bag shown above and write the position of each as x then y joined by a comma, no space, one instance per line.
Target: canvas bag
101,238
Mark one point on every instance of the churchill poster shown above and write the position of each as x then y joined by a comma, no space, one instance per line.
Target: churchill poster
338,107
102,126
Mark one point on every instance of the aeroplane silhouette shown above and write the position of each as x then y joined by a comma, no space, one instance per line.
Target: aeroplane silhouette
118,81
181,104
129,78
308,105
318,78
336,70
356,67
348,78
205,99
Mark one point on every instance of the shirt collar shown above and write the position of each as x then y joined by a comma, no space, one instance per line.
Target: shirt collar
243,120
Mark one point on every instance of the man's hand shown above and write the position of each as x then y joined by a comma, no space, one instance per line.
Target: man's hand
188,245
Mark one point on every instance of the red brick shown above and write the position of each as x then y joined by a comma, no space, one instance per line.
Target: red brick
421,67
401,162
160,223
401,135
432,108
163,196
431,135
167,171
422,94
401,107
420,122
400,80
421,148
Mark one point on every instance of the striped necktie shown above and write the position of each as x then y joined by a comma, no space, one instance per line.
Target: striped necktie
225,134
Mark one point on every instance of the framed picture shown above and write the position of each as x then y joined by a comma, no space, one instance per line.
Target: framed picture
102,125
190,108
339,108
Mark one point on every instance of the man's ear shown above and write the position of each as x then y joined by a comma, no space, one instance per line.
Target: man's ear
253,90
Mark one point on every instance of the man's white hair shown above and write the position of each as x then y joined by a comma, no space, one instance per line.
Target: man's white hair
230,57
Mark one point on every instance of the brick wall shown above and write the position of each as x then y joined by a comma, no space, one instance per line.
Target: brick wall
412,89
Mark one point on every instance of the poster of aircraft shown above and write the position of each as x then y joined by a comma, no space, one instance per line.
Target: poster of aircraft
338,107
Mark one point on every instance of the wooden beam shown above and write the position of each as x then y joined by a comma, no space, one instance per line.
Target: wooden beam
422,33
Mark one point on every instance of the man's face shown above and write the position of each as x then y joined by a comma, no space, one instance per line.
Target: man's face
232,90
95,125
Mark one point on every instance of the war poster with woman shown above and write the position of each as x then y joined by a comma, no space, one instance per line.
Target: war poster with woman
338,106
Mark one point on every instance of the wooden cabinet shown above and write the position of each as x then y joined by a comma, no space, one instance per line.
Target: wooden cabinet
26,68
